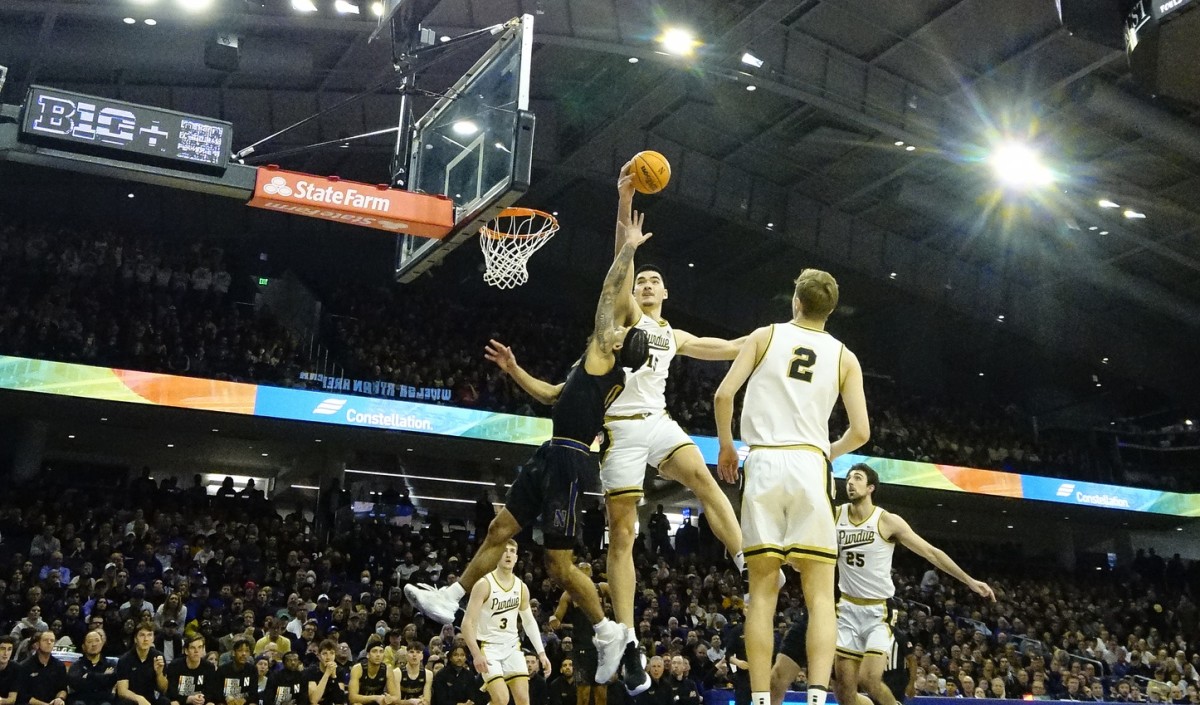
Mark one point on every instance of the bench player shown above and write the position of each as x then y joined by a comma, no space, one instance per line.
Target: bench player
866,645
490,629
547,486
795,372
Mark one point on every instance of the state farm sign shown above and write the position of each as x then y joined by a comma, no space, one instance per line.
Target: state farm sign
330,198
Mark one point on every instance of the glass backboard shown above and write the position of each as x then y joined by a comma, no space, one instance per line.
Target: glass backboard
475,146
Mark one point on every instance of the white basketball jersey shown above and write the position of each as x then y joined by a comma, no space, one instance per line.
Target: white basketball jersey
646,390
793,389
498,619
864,557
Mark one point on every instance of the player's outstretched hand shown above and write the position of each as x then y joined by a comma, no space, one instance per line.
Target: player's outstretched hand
545,664
983,590
502,355
727,464
633,230
625,181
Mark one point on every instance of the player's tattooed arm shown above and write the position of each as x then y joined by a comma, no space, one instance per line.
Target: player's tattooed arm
605,333
627,307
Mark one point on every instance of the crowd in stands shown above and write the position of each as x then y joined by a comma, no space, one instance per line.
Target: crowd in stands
229,590
127,301
123,301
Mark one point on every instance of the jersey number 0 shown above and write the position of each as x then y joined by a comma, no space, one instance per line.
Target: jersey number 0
803,360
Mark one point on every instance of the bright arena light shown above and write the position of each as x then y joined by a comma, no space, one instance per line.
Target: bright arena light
377,9
1019,166
1105,203
1134,215
346,8
752,60
194,5
679,42
465,127
304,6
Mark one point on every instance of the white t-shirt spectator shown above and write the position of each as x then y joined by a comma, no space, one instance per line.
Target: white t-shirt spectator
202,278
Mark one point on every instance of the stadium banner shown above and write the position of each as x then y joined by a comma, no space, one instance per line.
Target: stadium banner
83,381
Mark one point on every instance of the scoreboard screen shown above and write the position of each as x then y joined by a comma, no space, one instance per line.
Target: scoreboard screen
133,132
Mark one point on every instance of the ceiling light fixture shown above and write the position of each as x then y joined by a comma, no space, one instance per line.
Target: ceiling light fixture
1019,166
892,275
1105,203
679,42
377,9
1093,228
634,59
1103,232
899,143
130,20
464,127
304,6
910,148
1134,215
194,5
751,87
306,487
752,60
151,22
344,7
71,435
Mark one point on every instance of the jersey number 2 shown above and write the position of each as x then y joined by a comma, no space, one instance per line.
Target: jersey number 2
803,360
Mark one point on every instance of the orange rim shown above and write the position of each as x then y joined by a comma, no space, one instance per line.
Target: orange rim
519,212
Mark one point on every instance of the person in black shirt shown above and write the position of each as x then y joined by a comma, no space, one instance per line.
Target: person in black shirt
286,687
560,690
373,682
321,681
10,671
192,680
91,679
456,684
537,681
43,677
660,691
140,672
238,679
547,485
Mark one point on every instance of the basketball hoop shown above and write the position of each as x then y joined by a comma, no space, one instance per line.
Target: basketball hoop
509,240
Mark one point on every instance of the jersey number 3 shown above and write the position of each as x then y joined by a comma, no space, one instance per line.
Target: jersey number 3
803,360
504,622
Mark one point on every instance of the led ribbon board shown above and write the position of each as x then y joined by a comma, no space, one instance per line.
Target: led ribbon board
102,383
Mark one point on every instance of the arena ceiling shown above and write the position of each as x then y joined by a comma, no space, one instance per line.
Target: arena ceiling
804,169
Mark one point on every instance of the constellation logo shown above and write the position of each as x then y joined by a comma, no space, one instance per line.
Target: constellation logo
278,186
329,407
1065,489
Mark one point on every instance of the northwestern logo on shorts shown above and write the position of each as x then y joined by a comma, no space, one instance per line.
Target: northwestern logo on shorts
560,518
329,407
1065,489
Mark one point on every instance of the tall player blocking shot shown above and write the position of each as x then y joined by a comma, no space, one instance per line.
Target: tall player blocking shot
795,373
639,432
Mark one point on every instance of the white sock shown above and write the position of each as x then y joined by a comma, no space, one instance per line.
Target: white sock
602,624
817,694
760,698
739,561
456,592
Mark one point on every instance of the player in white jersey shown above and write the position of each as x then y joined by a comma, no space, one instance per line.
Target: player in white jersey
796,372
490,630
639,432
866,538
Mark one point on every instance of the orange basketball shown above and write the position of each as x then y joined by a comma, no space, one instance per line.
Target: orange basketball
651,172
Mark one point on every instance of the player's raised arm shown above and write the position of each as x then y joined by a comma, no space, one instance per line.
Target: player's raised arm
743,366
503,357
898,530
855,401
707,348
604,334
628,311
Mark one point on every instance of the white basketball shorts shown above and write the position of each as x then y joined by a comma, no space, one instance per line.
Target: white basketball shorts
787,505
632,443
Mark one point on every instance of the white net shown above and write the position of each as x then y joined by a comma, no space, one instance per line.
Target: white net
510,240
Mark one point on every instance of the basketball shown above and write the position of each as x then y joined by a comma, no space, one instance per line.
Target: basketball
651,172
